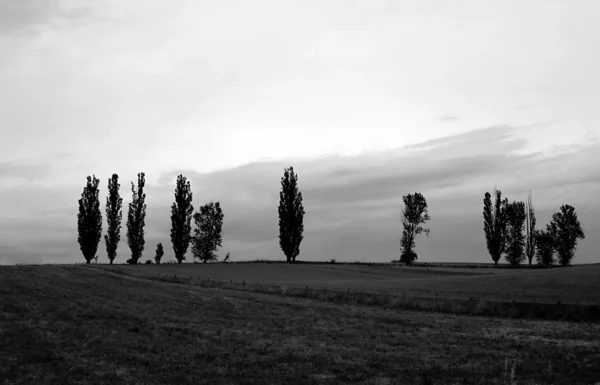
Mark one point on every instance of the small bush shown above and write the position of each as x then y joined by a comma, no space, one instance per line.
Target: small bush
148,262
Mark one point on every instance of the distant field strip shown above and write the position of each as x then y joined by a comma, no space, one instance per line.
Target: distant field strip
574,285
414,300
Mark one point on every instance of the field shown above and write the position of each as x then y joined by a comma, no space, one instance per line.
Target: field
573,285
66,324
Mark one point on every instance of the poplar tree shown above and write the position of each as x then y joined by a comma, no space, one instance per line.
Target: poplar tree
291,216
159,253
89,219
114,215
181,216
530,229
515,239
136,219
494,224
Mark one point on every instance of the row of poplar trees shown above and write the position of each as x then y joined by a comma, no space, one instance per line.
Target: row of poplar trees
207,237
510,230
205,241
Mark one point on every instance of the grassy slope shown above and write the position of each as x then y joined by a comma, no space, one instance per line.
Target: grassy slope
580,284
75,324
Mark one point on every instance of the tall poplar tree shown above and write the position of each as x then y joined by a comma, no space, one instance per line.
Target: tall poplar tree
291,216
114,215
181,217
89,219
136,219
515,239
530,242
494,224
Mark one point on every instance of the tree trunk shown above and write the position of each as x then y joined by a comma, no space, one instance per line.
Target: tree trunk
87,261
111,261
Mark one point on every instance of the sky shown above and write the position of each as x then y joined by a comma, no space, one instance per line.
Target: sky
368,101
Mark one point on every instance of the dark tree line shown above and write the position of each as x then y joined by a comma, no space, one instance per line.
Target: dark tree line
510,227
206,240
510,230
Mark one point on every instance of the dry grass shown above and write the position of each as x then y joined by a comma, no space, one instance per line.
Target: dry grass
572,285
75,324
391,300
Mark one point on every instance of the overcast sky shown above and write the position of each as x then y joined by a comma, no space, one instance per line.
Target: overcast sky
368,100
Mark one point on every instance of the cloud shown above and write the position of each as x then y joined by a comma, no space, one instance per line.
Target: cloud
19,18
27,172
448,118
352,202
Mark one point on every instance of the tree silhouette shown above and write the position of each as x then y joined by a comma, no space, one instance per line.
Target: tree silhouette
291,216
208,234
89,219
114,215
414,214
494,224
529,229
159,253
181,216
566,231
136,219
515,240
544,242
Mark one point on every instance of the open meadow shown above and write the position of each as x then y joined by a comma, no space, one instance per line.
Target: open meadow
578,284
72,324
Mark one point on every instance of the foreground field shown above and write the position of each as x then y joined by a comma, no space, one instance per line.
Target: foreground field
76,324
579,284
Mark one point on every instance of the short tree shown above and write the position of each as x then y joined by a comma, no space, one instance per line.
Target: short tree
529,229
515,239
136,219
208,234
494,224
566,231
291,216
414,214
159,253
114,215
544,242
89,219
227,257
181,216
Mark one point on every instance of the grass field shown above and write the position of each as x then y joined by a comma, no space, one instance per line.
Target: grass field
579,284
87,324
